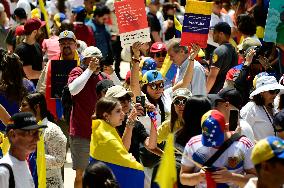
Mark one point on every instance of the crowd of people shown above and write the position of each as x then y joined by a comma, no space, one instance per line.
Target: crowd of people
224,103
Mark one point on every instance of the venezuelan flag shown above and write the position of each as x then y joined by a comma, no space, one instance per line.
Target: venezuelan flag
167,174
196,23
106,146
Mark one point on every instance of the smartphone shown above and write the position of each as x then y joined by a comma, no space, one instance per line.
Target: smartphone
234,120
141,100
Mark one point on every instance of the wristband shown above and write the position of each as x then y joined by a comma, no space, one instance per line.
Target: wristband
130,123
135,59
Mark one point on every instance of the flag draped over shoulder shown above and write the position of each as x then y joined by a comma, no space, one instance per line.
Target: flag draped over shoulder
167,175
106,146
37,164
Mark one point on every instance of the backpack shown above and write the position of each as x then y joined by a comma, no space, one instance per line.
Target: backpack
11,178
67,102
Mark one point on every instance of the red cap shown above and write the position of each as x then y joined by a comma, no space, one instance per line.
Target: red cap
158,47
19,30
33,24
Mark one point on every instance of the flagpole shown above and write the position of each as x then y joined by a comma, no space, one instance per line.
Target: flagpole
194,162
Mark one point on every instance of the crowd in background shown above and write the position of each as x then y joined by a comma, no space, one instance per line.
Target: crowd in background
224,103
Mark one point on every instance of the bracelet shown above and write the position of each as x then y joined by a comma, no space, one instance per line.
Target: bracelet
130,123
135,59
191,59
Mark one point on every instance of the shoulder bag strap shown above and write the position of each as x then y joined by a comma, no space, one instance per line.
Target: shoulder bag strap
11,179
223,147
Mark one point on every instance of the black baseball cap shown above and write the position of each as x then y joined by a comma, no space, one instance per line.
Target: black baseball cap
103,85
19,12
23,121
227,94
278,121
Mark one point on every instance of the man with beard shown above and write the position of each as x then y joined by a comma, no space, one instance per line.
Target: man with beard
29,51
68,46
82,83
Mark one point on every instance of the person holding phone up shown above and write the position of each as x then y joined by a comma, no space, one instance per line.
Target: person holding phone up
228,101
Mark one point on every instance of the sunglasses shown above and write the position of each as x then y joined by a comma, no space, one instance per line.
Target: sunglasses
157,86
161,54
178,102
274,92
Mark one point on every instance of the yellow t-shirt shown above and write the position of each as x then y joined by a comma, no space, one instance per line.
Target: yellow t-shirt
165,129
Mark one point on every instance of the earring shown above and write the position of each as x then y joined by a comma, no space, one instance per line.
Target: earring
107,120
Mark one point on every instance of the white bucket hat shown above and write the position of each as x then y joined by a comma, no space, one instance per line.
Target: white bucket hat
266,83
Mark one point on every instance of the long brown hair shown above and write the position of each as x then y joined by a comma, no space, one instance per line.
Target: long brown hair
105,105
11,84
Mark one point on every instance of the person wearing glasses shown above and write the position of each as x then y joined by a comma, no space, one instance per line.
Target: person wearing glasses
54,139
259,113
23,133
158,52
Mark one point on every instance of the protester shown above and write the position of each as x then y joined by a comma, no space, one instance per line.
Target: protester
132,131
68,46
278,124
99,175
82,31
54,139
158,52
13,85
81,82
268,159
230,99
153,22
181,56
233,167
20,17
224,57
194,109
101,33
23,134
32,64
176,122
106,145
259,112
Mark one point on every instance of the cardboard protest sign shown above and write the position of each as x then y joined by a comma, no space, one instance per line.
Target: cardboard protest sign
196,23
59,75
132,22
274,29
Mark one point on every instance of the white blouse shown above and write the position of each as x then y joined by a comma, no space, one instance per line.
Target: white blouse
259,120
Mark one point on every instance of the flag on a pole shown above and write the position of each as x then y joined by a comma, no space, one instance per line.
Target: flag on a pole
167,175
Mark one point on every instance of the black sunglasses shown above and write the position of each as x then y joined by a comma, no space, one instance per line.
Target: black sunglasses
274,92
161,54
180,102
157,86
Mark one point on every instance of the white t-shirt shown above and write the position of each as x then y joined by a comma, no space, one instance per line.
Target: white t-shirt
216,19
236,158
22,175
251,183
246,130
258,119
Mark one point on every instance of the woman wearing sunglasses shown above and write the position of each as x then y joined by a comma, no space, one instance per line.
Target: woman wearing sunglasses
259,112
180,96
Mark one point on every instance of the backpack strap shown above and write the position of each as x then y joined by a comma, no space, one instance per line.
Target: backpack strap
11,179
223,147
